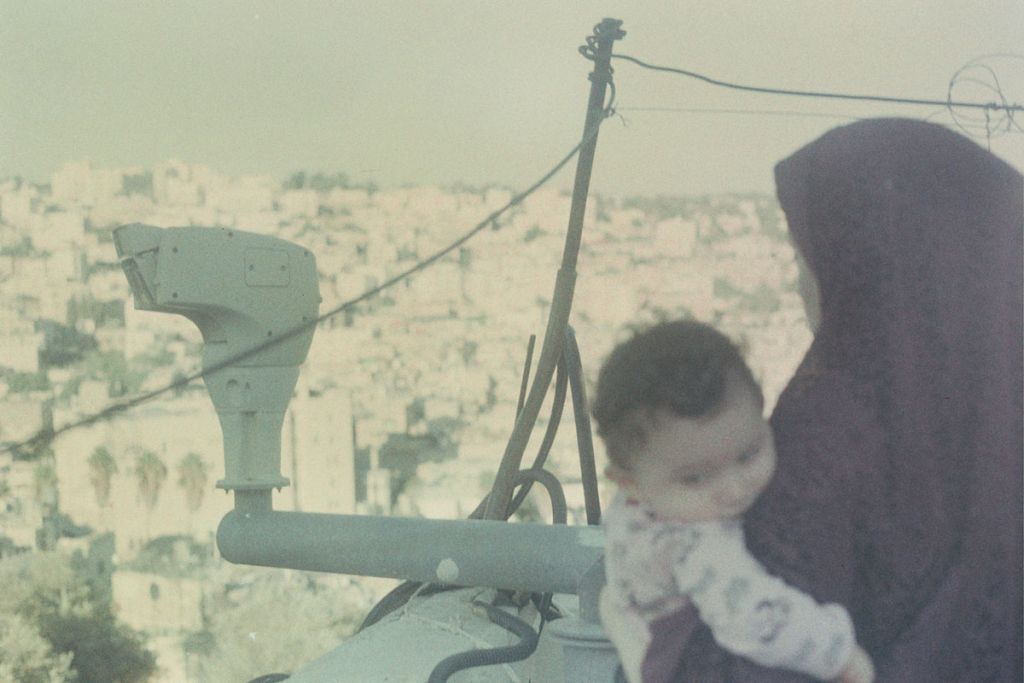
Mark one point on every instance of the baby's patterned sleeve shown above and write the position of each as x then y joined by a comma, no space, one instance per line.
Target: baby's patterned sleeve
758,616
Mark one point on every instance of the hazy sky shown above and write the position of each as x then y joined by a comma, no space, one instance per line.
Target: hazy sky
479,92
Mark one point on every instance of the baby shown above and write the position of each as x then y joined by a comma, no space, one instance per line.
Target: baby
681,418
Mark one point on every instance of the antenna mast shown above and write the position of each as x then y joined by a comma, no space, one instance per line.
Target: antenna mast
599,50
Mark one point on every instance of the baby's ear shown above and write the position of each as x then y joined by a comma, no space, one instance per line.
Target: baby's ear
619,475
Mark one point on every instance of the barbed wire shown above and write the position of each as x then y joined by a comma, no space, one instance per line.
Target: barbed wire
975,125
991,123
818,94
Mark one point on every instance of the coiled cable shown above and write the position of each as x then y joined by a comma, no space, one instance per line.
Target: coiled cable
557,407
528,639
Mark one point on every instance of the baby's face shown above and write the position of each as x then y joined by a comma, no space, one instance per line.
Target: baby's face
697,470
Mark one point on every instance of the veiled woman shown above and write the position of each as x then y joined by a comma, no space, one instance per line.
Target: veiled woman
898,490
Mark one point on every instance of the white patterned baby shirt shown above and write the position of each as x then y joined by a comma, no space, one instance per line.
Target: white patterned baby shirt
655,567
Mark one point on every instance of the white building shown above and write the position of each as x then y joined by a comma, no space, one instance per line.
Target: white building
60,231
241,195
78,183
19,341
170,428
17,207
317,453
299,203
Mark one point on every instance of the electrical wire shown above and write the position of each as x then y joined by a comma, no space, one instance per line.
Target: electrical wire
819,94
754,112
45,436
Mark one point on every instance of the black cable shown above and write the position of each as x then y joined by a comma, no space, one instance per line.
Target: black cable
824,95
45,436
528,639
525,381
570,371
554,419
561,304
544,603
584,435
402,593
559,509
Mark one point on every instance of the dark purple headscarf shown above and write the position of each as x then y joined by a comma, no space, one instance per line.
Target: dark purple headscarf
899,486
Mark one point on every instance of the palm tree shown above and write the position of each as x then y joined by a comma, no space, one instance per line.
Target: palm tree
45,493
150,473
102,468
192,477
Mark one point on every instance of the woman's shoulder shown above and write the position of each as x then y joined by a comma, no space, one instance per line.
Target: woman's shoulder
826,420
826,398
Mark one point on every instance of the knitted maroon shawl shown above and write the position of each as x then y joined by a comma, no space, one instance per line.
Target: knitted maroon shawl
899,484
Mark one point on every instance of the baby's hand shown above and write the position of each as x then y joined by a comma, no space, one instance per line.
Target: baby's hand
628,633
859,669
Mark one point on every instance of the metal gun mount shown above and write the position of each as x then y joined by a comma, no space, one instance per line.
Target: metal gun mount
244,291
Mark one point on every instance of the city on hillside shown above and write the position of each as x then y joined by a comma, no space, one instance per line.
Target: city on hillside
403,406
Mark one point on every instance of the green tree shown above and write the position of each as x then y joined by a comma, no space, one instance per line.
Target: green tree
21,249
138,183
533,233
113,367
192,477
38,583
63,345
21,382
764,299
102,468
26,657
51,629
324,183
247,637
297,181
103,650
44,484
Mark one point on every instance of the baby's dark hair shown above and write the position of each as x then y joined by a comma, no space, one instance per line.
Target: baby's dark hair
681,366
